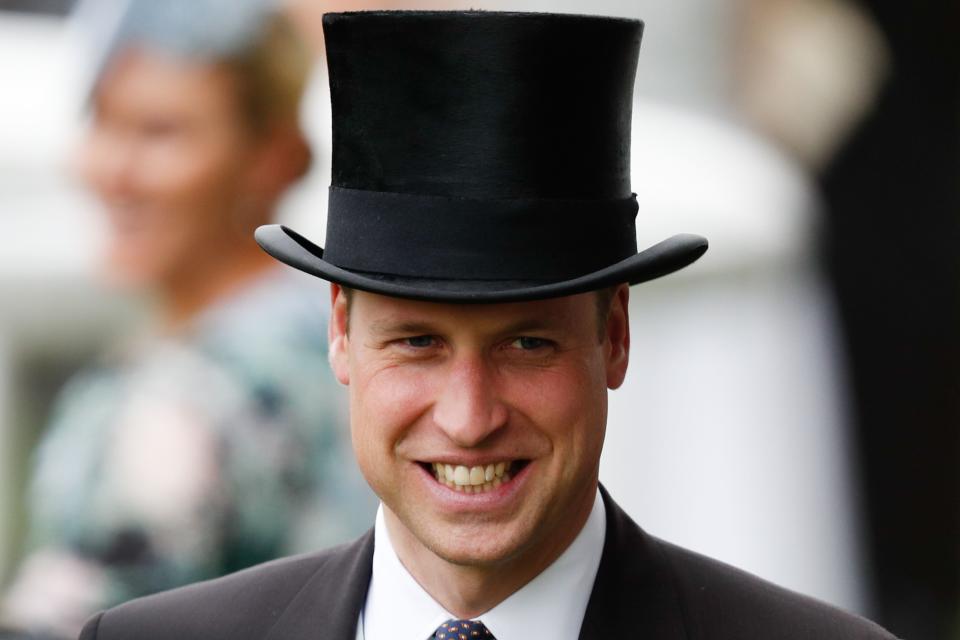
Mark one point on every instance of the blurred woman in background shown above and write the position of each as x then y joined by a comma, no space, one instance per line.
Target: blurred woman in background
212,441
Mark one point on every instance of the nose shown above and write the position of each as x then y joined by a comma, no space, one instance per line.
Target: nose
469,408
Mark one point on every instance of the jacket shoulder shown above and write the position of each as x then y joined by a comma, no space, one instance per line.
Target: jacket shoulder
246,604
721,602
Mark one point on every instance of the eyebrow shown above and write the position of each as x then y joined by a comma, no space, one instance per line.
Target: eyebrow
530,325
391,327
417,327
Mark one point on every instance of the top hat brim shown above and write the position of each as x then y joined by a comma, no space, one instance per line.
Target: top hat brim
663,258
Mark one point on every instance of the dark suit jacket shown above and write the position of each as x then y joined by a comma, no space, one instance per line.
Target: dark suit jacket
645,588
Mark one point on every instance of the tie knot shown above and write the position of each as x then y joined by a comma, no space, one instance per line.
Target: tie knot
463,630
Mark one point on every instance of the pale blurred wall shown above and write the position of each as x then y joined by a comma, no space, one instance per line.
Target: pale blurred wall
49,235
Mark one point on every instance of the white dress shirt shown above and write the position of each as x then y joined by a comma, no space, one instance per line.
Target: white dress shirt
553,603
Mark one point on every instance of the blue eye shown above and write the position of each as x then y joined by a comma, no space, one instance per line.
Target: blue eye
420,341
528,344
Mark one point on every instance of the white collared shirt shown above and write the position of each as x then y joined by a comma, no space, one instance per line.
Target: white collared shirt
553,603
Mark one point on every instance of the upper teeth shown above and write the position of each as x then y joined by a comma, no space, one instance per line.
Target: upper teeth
460,476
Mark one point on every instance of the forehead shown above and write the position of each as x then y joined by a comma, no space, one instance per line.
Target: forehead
140,78
382,314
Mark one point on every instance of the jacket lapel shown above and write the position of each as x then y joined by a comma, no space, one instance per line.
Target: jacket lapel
329,604
633,595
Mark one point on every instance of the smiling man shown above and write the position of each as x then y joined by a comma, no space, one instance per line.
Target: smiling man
480,427
481,243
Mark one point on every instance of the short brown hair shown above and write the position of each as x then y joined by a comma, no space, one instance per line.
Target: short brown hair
604,299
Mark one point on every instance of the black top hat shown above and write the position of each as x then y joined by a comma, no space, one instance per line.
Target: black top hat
480,157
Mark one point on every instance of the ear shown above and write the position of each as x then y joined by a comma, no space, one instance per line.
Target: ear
339,341
618,337
282,156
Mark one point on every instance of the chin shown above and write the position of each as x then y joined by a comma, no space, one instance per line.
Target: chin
474,549
129,269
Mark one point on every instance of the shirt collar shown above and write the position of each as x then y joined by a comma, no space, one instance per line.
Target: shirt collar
398,607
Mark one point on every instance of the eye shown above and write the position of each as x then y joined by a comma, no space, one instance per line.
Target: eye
528,343
161,128
419,342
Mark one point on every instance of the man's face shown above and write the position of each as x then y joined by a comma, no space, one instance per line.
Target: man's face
510,398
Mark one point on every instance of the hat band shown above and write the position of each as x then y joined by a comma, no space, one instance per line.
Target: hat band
426,236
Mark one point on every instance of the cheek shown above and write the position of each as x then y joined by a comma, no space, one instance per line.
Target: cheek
183,197
567,406
190,177
385,405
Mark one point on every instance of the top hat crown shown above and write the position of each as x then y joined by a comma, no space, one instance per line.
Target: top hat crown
480,157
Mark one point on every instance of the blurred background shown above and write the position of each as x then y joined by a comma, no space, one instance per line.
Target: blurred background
793,402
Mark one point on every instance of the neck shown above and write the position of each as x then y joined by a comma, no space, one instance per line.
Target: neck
188,293
468,591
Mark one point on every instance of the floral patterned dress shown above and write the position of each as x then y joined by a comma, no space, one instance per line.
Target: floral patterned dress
186,457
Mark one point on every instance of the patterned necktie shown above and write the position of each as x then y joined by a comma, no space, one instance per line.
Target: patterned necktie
463,630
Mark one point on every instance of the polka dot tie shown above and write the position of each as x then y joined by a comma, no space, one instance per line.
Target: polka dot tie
462,630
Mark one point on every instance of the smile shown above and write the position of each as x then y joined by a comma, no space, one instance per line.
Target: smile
478,479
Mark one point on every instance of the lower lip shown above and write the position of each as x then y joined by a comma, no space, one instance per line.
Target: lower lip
495,497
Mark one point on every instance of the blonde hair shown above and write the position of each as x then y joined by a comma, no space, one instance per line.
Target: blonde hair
272,75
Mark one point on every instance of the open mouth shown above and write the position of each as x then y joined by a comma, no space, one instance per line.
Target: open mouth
477,479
